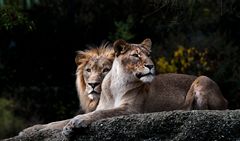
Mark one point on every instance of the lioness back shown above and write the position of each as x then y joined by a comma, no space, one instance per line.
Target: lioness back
168,91
183,92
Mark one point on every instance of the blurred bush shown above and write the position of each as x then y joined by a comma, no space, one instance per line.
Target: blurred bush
184,60
10,123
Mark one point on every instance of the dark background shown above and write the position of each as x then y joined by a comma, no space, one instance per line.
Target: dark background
39,38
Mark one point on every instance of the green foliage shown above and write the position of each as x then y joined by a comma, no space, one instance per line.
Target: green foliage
184,60
123,30
10,124
11,18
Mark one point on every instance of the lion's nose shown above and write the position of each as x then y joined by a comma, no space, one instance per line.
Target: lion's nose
149,66
93,85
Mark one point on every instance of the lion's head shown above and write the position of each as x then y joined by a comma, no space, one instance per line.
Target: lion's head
135,59
93,65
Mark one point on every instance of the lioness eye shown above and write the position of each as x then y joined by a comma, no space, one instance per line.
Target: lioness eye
135,55
106,70
88,70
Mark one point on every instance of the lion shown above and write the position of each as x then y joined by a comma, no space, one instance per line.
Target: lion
131,87
92,66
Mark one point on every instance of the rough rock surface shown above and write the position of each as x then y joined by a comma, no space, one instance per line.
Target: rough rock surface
174,125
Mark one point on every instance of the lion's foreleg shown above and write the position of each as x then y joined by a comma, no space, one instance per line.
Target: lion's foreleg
58,125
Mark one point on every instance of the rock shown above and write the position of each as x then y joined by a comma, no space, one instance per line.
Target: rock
174,125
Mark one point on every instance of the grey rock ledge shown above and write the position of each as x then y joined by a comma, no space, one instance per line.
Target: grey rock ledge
173,125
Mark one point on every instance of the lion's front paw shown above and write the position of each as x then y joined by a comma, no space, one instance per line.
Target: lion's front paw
77,122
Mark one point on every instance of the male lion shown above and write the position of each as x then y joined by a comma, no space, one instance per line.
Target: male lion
130,87
93,65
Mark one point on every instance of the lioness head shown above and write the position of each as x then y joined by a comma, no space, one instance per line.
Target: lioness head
135,59
93,65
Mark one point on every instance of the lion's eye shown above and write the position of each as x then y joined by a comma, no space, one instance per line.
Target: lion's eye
106,70
135,55
88,70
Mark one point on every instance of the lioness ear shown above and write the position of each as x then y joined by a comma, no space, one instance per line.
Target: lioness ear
147,43
79,57
120,46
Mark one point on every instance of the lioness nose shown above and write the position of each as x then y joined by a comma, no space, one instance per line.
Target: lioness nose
149,66
93,85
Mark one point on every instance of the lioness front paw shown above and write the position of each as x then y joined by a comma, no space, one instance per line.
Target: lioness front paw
67,131
77,122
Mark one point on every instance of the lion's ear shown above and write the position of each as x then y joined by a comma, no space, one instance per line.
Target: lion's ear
147,43
79,57
120,46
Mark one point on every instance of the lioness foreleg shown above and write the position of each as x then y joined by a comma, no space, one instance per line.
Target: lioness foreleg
82,121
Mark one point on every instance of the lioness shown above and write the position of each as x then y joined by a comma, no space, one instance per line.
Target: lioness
93,64
130,87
